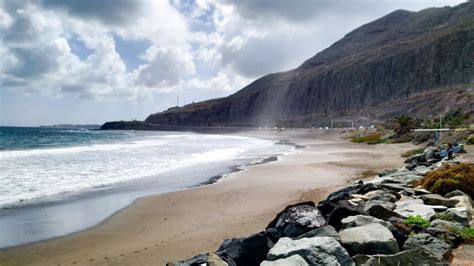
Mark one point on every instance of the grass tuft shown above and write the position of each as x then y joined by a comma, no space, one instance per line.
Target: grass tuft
418,220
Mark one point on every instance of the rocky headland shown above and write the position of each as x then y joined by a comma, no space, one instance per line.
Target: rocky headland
387,220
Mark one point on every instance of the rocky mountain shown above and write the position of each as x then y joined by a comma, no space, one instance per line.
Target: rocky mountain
420,63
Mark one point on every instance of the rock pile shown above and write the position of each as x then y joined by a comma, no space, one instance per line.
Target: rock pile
362,224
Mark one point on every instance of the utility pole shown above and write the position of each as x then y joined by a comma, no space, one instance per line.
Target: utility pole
177,101
440,126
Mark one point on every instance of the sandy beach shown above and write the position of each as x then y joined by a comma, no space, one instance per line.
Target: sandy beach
178,225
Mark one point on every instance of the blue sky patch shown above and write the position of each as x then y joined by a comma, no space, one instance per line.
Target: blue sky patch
131,51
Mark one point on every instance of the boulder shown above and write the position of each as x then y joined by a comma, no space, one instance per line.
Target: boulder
322,231
382,195
458,193
421,170
410,179
315,250
245,251
297,219
400,235
445,235
460,215
442,224
386,204
342,210
409,206
369,239
436,247
360,220
435,199
398,188
328,205
210,259
401,231
464,201
381,212
295,260
412,257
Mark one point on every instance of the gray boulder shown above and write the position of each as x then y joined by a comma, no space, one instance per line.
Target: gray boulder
399,188
381,195
386,204
369,239
414,257
421,170
458,193
322,231
442,224
460,215
438,248
315,250
382,213
409,206
360,220
435,199
295,260
464,201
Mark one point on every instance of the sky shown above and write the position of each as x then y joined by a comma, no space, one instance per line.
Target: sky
92,61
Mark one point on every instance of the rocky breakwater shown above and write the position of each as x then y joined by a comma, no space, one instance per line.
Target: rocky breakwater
384,221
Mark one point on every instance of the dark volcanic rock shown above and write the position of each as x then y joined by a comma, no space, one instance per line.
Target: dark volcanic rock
435,199
429,243
245,251
322,231
297,219
382,213
328,205
342,210
406,257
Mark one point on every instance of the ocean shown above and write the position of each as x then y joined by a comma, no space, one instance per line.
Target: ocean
57,181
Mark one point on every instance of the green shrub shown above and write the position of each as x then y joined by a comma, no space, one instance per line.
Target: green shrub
450,177
466,233
412,152
418,220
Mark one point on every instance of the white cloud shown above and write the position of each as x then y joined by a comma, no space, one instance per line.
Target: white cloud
207,46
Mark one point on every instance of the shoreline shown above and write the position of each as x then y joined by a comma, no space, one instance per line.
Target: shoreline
125,193
188,210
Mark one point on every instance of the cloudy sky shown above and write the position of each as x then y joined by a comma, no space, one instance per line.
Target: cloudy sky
91,61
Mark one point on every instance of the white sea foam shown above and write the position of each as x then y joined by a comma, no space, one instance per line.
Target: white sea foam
35,173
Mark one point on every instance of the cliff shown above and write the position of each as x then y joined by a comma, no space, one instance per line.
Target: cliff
405,62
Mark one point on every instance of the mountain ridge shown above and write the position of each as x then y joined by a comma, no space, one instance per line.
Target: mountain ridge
374,72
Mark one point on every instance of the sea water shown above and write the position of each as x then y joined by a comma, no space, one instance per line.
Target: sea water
57,181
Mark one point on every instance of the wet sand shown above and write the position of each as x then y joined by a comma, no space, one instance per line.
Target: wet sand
178,225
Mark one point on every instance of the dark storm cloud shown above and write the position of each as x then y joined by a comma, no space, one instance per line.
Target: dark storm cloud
111,12
296,10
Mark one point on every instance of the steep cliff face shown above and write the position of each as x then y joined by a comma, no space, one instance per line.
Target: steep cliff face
388,62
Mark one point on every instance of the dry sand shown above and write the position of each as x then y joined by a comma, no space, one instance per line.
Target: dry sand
181,224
